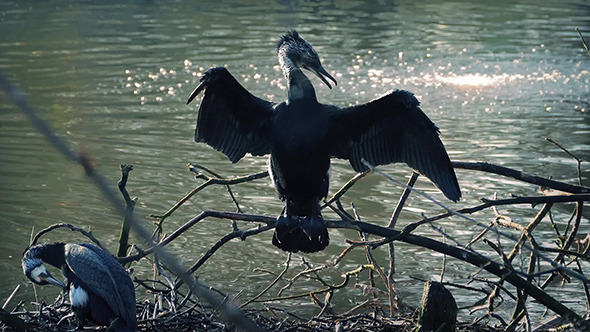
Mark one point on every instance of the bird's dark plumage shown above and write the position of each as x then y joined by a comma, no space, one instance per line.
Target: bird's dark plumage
290,37
100,288
235,120
301,135
392,129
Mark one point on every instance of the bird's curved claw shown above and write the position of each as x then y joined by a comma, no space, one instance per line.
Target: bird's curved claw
314,228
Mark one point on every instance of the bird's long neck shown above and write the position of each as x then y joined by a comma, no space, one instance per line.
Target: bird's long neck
299,86
53,254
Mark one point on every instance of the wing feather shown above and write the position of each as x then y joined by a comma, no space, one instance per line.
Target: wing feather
105,277
231,119
392,129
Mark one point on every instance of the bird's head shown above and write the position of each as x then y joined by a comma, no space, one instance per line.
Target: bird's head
34,268
291,46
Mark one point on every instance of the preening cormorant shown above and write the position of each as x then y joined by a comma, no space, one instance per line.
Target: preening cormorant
301,135
100,288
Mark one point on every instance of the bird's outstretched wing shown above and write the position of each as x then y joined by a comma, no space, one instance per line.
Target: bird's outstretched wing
231,119
105,277
392,129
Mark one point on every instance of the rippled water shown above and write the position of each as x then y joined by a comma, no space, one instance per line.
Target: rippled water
496,77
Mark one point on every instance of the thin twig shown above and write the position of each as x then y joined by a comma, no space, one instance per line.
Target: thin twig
209,182
578,160
402,200
444,262
392,292
73,228
567,244
306,294
345,188
583,41
394,305
256,297
305,272
12,295
194,167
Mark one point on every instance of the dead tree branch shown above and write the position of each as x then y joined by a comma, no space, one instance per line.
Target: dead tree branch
476,260
73,228
518,175
207,183
130,206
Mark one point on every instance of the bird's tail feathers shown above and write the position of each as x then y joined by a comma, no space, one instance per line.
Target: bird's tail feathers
296,234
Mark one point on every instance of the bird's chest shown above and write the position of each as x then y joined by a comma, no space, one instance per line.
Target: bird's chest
300,133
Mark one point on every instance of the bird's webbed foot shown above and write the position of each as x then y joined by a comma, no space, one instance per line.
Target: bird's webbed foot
315,230
287,234
287,224
313,227
295,234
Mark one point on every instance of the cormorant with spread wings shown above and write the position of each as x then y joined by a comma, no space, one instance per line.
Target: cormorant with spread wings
301,135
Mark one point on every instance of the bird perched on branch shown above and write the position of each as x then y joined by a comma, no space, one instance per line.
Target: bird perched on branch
301,135
100,288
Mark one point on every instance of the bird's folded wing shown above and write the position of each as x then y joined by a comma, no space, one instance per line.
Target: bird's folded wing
231,119
392,129
95,273
125,287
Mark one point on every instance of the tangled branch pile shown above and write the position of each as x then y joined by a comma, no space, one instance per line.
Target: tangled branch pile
174,307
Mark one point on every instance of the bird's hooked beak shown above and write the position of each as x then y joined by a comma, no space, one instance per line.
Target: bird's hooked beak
322,74
47,277
194,94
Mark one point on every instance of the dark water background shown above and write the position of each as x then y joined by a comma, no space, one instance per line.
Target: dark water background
497,77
